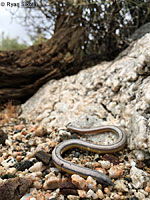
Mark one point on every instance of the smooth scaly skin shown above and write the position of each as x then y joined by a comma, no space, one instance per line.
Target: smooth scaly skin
82,171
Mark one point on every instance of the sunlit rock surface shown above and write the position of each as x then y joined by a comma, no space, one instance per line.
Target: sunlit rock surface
115,93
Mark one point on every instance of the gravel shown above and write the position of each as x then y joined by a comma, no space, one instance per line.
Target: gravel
111,93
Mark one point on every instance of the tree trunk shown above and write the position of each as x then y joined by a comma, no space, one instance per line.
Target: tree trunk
22,72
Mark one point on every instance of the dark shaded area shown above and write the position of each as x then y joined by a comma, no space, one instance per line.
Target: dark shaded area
21,166
3,137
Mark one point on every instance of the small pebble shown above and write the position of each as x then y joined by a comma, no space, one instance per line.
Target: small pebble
31,198
147,189
105,164
107,190
8,142
10,162
51,143
90,194
52,182
115,85
107,198
26,196
134,198
73,197
18,158
33,176
91,183
43,156
120,186
77,154
11,170
100,194
32,142
82,193
19,127
24,133
139,154
37,167
115,196
18,136
40,196
40,131
115,171
102,170
139,195
139,177
79,182
2,171
54,169
37,184
48,196
21,166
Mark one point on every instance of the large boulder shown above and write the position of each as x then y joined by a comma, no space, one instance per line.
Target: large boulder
116,92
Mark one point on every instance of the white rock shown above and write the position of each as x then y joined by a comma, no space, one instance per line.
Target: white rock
132,163
52,182
2,171
11,170
18,136
105,164
147,96
100,194
33,176
116,86
32,141
8,142
73,197
138,136
26,196
90,194
115,171
82,193
139,154
91,183
120,186
9,162
38,166
139,195
78,181
115,196
1,181
139,177
132,76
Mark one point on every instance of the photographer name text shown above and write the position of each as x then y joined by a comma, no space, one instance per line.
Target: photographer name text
19,4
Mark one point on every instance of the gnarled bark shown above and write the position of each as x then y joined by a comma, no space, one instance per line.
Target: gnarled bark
23,72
